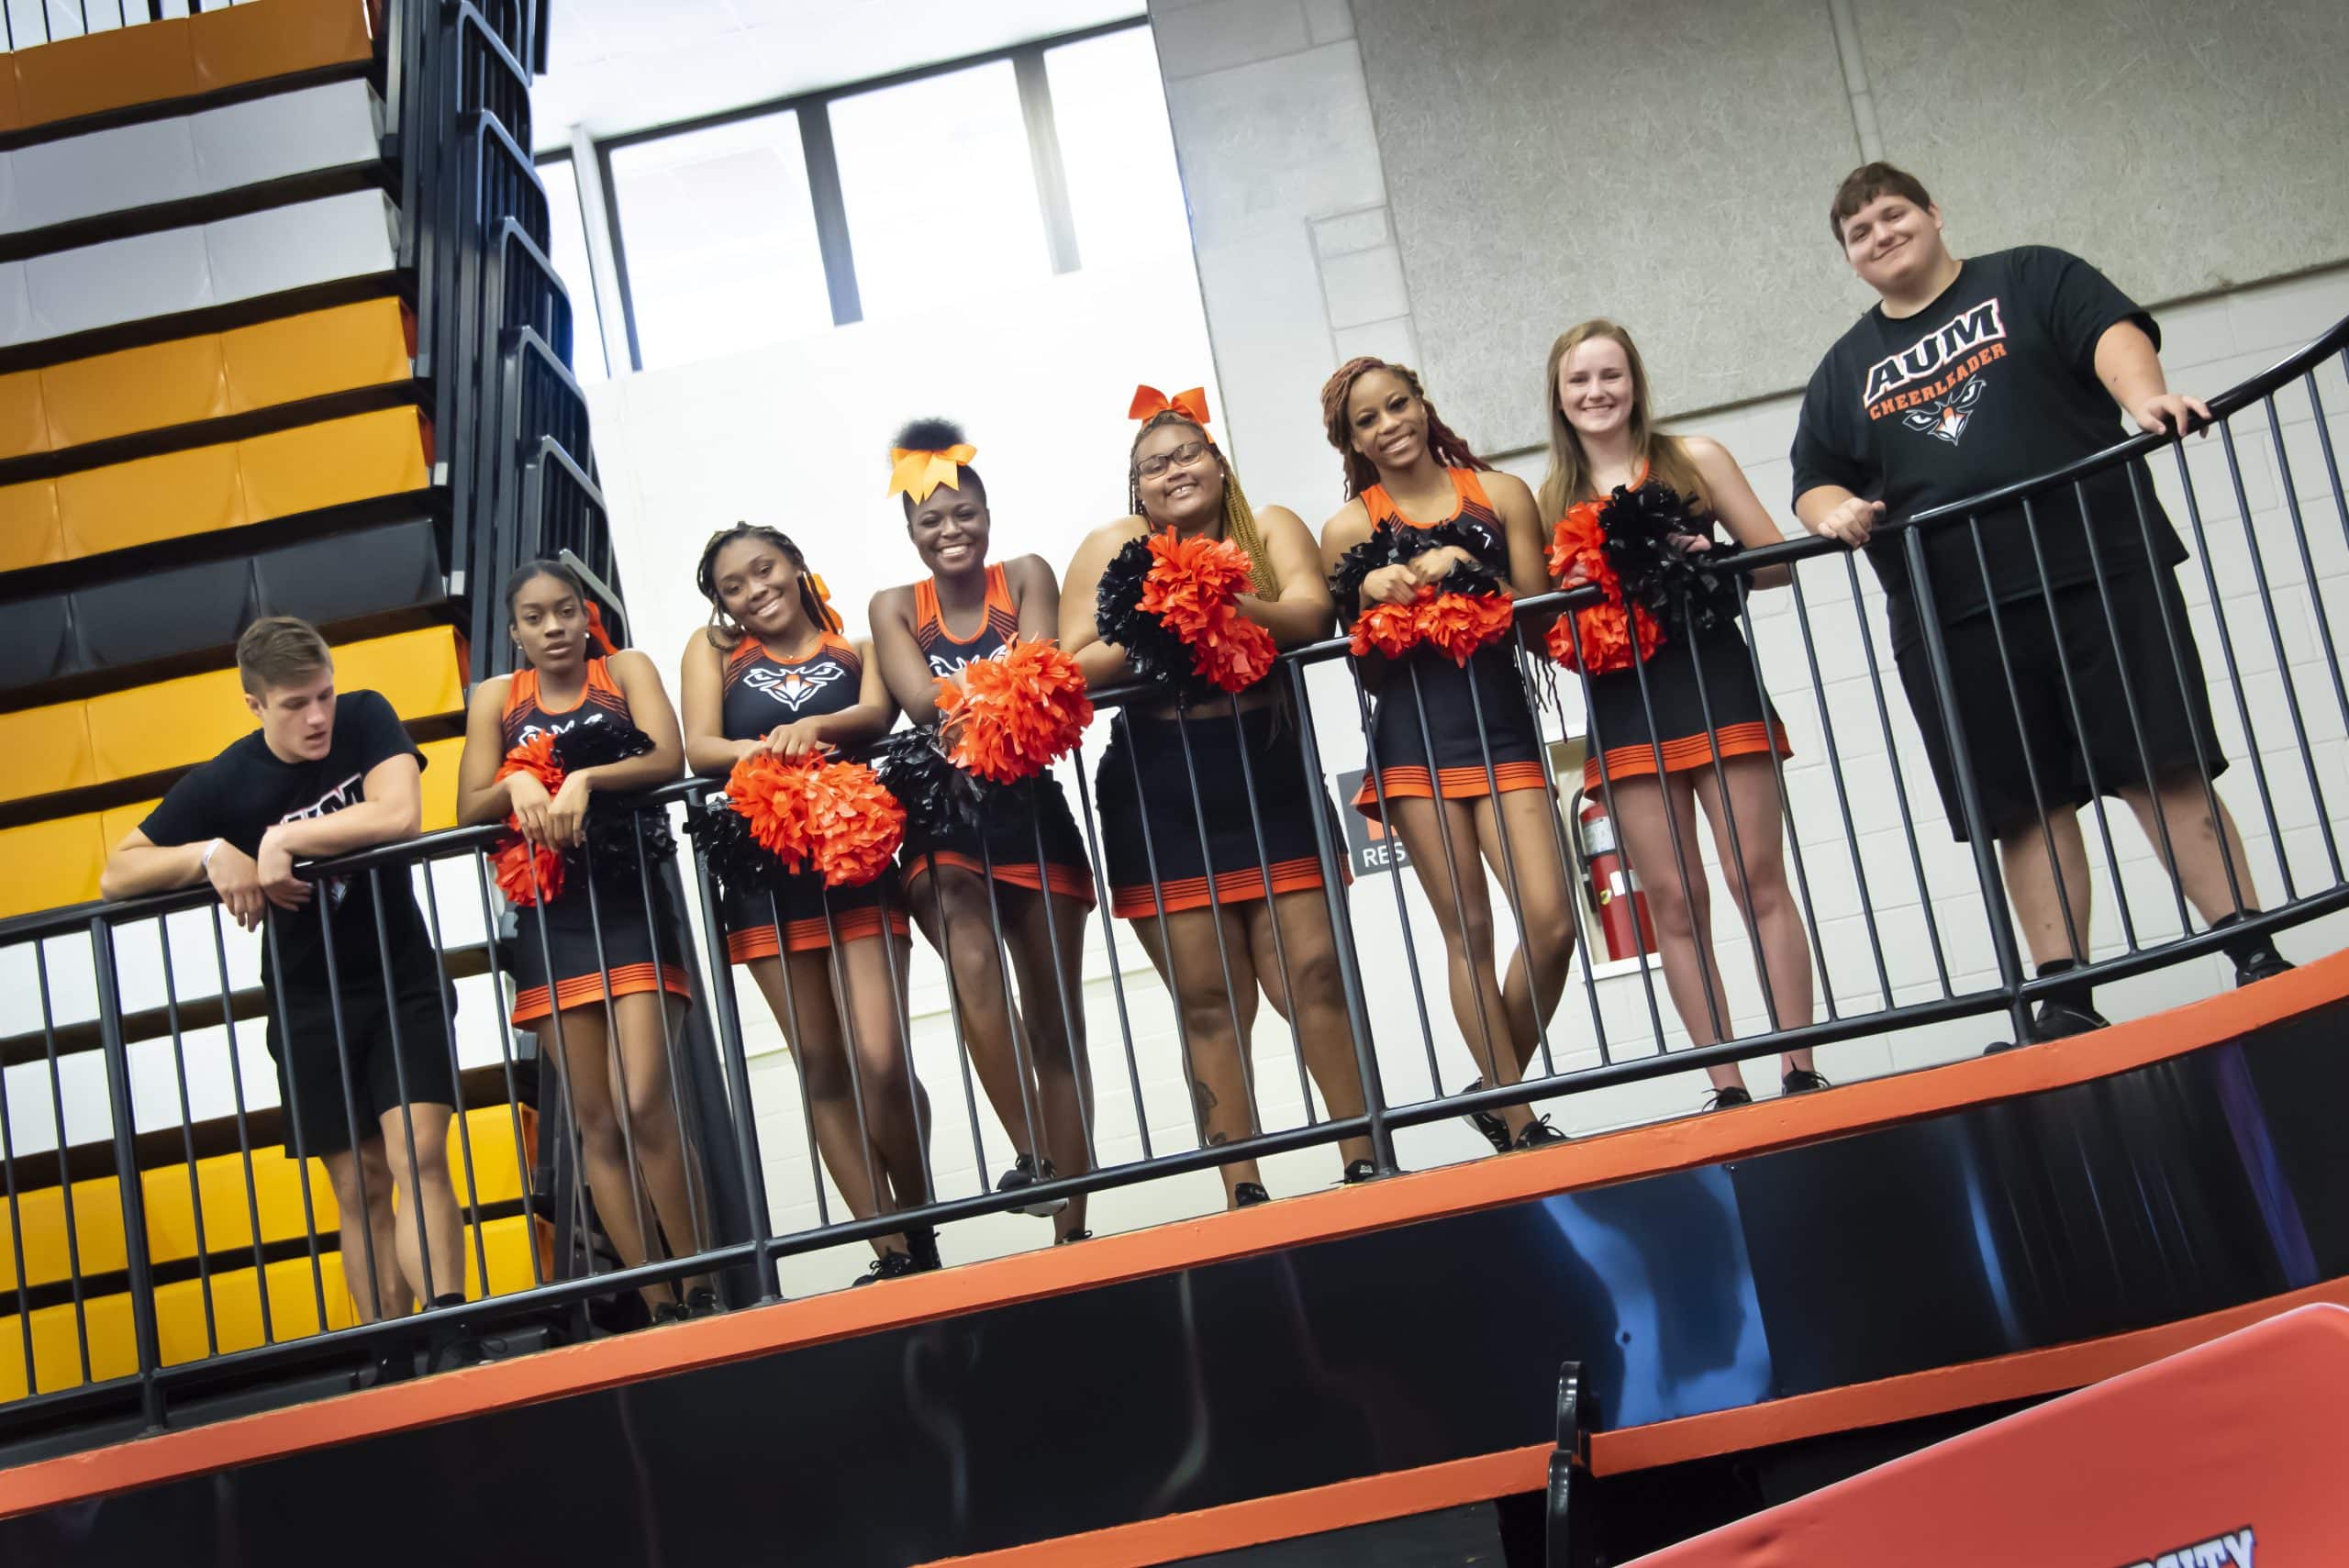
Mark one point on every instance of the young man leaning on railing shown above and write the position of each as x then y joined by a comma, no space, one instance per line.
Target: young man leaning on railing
329,773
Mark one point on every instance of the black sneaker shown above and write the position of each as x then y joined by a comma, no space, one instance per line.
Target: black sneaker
1025,1171
1072,1236
1729,1099
1538,1134
1802,1080
1357,1172
1248,1194
1489,1123
2262,965
465,1349
702,1302
2059,1020
921,1246
669,1312
888,1265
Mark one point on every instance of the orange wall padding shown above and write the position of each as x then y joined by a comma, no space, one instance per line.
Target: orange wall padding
163,61
209,377
204,489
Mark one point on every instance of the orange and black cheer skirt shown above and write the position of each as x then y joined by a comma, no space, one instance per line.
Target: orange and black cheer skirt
586,970
1022,817
1490,692
1705,700
1163,838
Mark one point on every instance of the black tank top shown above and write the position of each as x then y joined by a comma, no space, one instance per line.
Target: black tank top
763,691
527,715
948,653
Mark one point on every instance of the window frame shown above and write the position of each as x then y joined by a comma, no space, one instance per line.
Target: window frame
813,109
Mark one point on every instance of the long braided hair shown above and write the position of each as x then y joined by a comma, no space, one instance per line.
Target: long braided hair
1445,444
724,631
1238,518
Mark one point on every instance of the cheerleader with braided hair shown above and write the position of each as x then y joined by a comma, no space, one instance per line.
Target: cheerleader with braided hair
1482,799
1222,881
771,671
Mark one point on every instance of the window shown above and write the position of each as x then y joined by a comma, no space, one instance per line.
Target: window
1117,148
718,239
590,360
940,190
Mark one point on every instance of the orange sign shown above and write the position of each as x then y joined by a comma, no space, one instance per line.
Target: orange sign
2228,1455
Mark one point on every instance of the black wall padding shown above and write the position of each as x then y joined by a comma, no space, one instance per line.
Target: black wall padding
193,609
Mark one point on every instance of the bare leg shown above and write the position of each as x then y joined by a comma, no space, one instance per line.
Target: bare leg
580,1047
1048,954
641,1063
1759,887
2202,850
1194,954
1307,993
1680,904
362,1181
811,1022
1541,919
896,1115
427,1193
951,907
2039,905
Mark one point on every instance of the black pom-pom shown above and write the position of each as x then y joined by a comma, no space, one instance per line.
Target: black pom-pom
1157,654
1645,534
740,862
1355,568
940,799
930,436
599,745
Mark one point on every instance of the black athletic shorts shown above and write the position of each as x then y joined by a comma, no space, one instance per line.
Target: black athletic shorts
310,1077
2076,737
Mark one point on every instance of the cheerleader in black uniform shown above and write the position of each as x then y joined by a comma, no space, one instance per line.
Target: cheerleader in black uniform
772,673
601,1021
1602,436
967,610
1405,468
1215,950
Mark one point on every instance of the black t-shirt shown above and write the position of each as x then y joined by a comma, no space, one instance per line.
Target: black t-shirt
1992,383
246,790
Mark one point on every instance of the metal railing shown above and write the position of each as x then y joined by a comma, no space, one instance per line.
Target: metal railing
1901,936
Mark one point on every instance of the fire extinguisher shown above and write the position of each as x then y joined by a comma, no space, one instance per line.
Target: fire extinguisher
1623,906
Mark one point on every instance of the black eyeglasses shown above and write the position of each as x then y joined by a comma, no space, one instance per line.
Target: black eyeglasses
1186,455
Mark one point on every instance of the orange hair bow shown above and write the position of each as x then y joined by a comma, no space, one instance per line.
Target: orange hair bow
918,473
1149,403
595,632
832,621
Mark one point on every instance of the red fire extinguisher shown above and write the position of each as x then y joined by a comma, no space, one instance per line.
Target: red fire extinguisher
1614,891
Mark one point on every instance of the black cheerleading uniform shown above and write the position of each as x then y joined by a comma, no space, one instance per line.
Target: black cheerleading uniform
801,914
1252,804
573,923
1452,698
1008,845
1693,677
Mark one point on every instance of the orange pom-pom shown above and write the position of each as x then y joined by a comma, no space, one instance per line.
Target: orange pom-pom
1391,630
526,872
1577,554
765,790
535,757
1232,652
1459,624
853,824
1190,588
1019,714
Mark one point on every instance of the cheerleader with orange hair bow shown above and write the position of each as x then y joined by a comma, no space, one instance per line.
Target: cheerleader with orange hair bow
596,966
1206,808
772,677
981,891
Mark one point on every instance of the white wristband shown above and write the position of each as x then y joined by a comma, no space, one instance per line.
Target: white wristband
210,850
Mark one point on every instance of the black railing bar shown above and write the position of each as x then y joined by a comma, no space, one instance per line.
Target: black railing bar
2263,922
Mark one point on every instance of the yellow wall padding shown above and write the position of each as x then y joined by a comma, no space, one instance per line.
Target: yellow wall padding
440,758
225,47
238,44
24,420
30,532
51,864
173,724
151,388
208,488
189,379
236,1323
48,750
277,1193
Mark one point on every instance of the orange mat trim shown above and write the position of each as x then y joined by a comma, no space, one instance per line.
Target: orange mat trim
1767,1125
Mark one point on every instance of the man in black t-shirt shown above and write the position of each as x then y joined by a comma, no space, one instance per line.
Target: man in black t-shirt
327,774
2074,672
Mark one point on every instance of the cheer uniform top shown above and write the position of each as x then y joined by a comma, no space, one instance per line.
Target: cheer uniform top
1023,813
637,952
800,914
1427,699
1700,688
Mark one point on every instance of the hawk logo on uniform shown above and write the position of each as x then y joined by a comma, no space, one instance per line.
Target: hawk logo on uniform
533,731
793,687
1945,420
941,666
